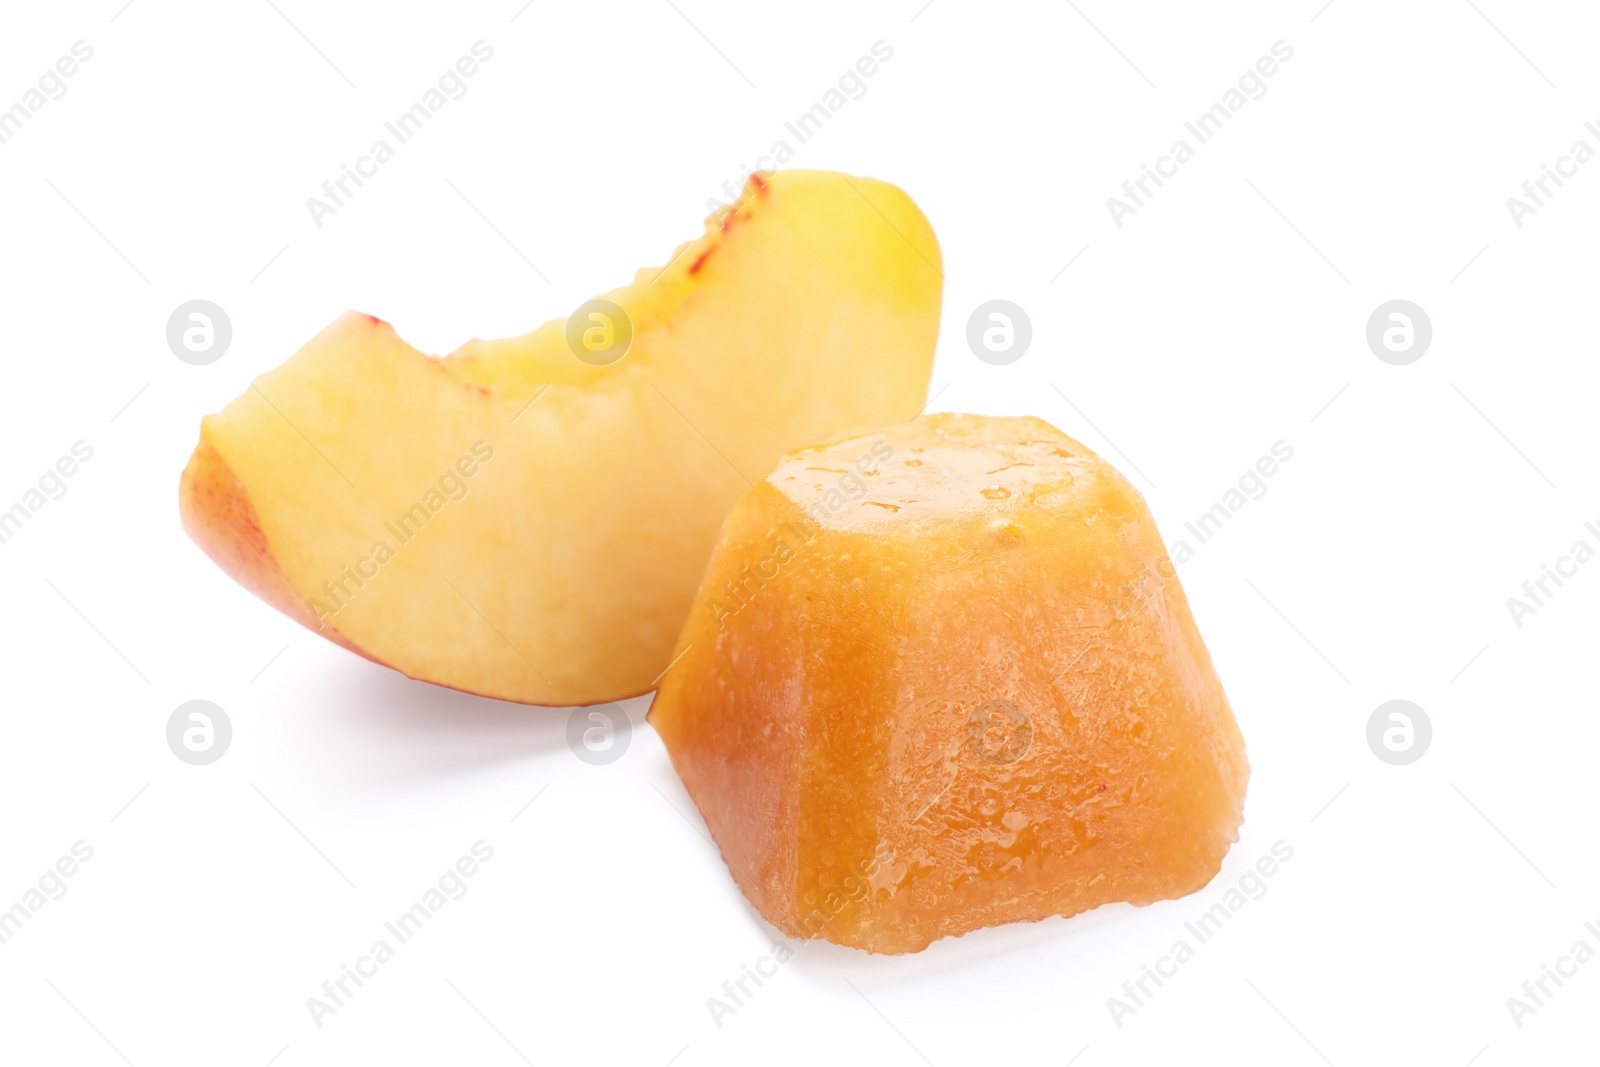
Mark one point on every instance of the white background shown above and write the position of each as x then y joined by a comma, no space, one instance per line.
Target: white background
1226,315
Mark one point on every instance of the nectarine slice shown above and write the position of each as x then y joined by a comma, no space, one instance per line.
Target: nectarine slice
943,676
527,518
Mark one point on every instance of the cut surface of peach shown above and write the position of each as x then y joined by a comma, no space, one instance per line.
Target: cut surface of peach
527,518
943,676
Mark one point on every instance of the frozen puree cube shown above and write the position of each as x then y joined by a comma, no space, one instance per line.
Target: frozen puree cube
942,676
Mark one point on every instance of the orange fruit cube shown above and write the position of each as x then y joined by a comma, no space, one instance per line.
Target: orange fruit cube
943,676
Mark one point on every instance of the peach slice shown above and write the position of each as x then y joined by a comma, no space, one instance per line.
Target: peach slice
527,518
943,676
